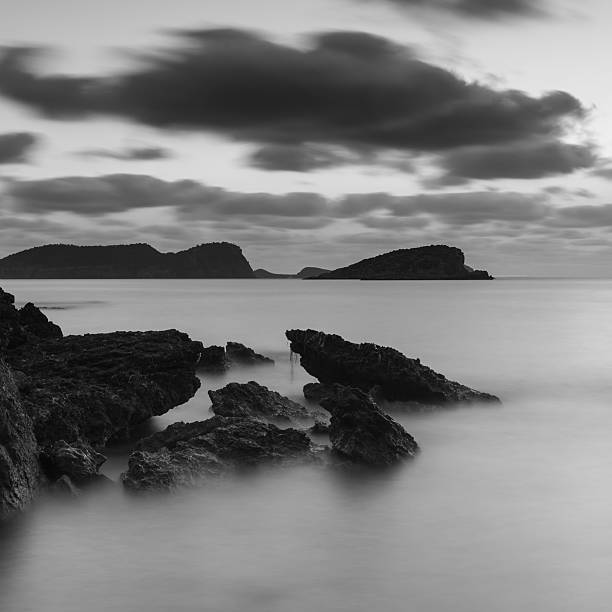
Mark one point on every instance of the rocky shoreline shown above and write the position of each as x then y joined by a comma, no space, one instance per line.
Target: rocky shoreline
63,399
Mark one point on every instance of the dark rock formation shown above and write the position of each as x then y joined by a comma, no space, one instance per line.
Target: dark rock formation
215,260
256,401
213,359
78,461
377,369
319,428
435,262
360,431
98,387
315,392
243,355
186,453
34,322
19,471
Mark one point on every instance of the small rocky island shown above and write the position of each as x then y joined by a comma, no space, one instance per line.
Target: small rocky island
64,399
435,262
213,260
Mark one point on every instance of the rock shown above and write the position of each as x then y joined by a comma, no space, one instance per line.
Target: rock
434,262
243,355
99,387
382,370
213,359
64,487
256,401
19,471
319,428
36,323
315,392
186,453
78,460
361,432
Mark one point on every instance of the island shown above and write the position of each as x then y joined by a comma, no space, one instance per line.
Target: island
434,262
213,260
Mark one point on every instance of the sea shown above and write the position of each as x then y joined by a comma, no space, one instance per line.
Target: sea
507,507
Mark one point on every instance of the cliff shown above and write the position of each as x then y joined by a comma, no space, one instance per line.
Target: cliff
435,262
214,260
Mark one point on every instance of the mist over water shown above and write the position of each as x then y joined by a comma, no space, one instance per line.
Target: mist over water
506,508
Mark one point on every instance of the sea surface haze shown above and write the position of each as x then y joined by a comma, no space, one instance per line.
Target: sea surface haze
506,508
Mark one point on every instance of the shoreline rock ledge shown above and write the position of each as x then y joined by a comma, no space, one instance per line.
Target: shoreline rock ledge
379,370
63,398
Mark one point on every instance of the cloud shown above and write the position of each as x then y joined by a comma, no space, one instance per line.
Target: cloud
520,160
128,154
298,157
15,146
481,9
351,90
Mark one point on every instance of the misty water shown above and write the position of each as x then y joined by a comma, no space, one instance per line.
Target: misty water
506,508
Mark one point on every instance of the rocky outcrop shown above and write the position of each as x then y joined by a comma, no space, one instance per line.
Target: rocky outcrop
36,323
315,392
435,262
361,432
258,402
213,359
19,471
243,355
214,260
375,369
99,387
78,461
185,454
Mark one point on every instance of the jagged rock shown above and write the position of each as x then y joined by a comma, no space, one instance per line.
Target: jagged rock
35,322
381,370
360,431
319,428
243,355
256,401
78,460
213,358
186,453
315,392
19,471
99,387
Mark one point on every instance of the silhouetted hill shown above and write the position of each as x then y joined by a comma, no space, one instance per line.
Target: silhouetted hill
435,262
214,260
308,272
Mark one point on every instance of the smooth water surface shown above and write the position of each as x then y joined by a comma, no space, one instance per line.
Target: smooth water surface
506,508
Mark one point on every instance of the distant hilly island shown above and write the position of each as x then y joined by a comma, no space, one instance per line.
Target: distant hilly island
224,260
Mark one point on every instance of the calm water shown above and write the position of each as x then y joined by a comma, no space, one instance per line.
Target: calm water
505,509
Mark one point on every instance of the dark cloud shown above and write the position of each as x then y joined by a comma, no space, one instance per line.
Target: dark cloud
15,146
129,154
297,157
520,160
482,9
346,89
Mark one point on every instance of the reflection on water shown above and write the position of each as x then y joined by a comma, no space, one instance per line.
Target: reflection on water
507,508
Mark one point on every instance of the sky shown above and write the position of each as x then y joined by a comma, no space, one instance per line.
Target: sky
312,133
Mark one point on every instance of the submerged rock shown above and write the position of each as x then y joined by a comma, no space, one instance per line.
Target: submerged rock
243,355
78,461
361,432
256,401
186,453
384,371
19,471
